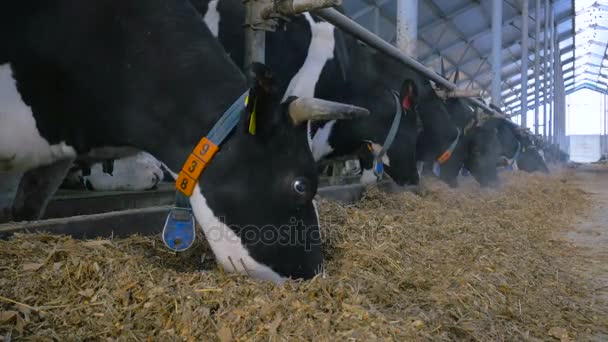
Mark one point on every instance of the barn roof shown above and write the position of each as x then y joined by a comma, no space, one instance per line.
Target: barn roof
459,31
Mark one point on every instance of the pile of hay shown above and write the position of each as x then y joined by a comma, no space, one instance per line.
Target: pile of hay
466,264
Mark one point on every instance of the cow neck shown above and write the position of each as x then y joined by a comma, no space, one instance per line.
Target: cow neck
208,146
438,127
173,141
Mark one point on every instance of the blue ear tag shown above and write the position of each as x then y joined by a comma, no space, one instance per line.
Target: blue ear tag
179,231
436,169
378,168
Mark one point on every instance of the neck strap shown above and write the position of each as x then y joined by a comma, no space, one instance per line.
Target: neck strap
390,137
448,153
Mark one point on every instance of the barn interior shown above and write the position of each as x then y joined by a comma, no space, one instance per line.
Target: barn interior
525,260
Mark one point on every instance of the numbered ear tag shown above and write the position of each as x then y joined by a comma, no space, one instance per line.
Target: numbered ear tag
179,231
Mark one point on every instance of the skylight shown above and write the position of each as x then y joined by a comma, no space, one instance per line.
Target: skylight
591,22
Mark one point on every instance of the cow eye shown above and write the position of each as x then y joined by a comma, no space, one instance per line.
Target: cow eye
301,186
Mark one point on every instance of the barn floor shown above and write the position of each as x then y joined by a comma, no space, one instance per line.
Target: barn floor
591,231
526,262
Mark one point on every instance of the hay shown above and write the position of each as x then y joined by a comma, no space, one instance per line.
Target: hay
471,264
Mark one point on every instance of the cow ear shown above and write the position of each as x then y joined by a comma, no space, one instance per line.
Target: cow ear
261,113
408,94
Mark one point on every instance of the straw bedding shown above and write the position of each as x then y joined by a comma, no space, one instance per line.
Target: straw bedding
442,265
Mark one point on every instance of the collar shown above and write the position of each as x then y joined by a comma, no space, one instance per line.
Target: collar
516,155
390,137
208,146
468,126
448,153
179,231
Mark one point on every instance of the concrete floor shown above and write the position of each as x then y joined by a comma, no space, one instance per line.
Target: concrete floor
591,234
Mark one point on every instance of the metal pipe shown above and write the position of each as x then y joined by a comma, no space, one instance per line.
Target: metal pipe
524,63
545,67
255,36
407,27
295,7
458,93
537,68
551,74
605,124
349,26
558,95
496,51
558,83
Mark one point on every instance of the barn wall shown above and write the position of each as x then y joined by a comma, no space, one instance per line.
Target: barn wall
585,148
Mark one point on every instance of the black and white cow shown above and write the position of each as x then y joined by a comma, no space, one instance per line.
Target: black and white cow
474,143
519,148
148,74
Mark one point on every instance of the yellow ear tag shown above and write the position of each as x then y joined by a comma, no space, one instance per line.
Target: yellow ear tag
252,118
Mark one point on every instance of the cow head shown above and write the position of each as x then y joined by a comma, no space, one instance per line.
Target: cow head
484,152
439,131
464,118
256,197
508,136
530,159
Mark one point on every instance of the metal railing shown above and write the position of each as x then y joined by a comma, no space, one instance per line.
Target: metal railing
351,27
259,11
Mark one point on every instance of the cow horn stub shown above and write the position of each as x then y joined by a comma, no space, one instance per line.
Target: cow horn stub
311,109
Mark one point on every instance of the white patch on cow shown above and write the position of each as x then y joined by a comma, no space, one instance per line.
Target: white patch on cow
316,206
212,18
368,177
420,167
351,167
376,148
320,50
133,173
542,154
319,144
21,146
226,245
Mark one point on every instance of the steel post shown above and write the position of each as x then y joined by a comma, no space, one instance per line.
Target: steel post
255,35
496,51
551,116
537,68
524,63
545,68
407,27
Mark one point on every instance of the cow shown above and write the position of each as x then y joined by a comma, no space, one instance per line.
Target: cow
528,159
137,172
472,142
100,75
